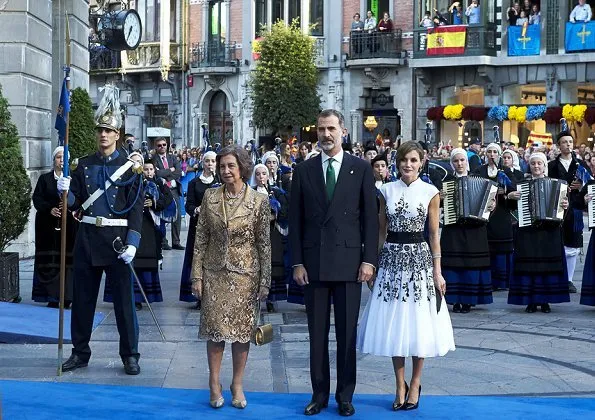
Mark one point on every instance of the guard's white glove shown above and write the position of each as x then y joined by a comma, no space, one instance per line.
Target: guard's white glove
128,255
63,183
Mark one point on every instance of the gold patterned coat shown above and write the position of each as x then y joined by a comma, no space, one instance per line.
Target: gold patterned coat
232,256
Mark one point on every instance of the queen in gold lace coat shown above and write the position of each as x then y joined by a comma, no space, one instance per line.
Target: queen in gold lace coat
232,256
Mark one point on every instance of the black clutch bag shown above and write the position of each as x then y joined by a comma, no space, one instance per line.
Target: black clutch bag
438,299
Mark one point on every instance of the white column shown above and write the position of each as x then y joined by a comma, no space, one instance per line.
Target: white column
355,126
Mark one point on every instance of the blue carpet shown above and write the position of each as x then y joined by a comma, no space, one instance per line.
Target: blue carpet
52,400
34,324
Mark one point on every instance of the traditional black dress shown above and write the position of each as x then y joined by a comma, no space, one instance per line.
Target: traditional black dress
500,234
46,271
279,208
466,262
146,260
194,196
540,274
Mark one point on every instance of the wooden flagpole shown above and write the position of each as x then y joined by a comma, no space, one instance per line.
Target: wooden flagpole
64,211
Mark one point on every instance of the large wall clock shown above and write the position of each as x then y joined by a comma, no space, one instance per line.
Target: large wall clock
121,30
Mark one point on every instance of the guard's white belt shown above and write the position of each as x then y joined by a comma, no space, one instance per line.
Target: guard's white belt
103,221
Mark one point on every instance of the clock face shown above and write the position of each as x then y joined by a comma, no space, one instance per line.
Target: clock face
132,29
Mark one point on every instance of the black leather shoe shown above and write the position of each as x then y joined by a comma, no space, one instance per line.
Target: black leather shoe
346,409
412,406
531,308
178,247
456,308
465,309
399,405
131,366
74,362
314,408
545,308
166,247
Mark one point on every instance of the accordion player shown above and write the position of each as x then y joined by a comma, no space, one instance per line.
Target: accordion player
468,198
541,201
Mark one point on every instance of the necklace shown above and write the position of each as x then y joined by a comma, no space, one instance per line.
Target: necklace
231,198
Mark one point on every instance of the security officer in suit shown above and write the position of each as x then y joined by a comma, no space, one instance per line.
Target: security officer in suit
168,168
108,196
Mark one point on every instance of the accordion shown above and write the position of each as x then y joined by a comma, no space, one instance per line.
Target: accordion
541,201
468,198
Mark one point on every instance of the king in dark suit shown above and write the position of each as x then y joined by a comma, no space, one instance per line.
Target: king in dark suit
333,224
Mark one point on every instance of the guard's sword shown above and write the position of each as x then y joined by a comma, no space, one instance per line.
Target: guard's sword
119,247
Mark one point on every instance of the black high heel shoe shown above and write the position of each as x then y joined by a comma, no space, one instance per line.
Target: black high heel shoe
396,404
412,406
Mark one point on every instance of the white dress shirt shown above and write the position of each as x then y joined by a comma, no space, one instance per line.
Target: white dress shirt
337,162
581,13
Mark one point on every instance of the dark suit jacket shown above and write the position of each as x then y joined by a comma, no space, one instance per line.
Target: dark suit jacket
556,170
168,174
332,239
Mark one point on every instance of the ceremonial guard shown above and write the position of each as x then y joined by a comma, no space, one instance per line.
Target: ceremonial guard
107,194
565,167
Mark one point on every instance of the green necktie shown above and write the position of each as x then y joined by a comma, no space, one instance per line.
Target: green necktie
331,179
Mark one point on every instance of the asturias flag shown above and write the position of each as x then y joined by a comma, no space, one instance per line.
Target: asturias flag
446,40
524,40
62,114
580,36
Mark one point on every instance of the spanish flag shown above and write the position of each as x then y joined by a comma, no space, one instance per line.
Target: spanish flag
446,40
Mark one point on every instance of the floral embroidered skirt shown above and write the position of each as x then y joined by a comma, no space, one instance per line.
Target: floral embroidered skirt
229,306
400,318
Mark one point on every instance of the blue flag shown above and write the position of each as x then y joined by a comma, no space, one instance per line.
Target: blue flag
583,175
524,40
62,114
580,36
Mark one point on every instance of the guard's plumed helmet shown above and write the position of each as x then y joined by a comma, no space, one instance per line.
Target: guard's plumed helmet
109,114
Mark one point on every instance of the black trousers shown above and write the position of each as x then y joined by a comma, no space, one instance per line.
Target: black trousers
84,300
346,298
176,225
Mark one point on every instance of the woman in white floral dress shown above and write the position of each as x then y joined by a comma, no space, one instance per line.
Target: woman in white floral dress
401,318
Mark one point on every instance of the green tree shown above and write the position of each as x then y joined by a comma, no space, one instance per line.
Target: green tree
14,182
81,136
284,84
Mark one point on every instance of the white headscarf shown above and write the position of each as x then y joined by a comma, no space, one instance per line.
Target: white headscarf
515,159
269,155
541,156
56,151
253,181
495,146
209,154
458,151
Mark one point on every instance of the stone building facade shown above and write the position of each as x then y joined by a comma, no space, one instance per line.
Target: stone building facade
32,54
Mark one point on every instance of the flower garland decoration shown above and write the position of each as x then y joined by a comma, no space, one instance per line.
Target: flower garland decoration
498,113
435,113
535,112
512,112
517,113
552,115
453,112
567,113
590,116
578,112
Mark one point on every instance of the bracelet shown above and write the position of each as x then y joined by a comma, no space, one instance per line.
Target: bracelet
436,256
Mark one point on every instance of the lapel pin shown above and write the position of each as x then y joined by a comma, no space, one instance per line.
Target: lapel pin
351,171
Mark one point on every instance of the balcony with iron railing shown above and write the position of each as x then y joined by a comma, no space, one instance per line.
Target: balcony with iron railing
145,58
214,57
376,48
480,40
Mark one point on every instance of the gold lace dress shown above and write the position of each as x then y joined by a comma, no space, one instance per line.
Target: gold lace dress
232,256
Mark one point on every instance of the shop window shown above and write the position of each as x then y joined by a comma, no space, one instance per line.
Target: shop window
465,95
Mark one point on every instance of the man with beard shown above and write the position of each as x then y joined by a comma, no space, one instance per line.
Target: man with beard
334,248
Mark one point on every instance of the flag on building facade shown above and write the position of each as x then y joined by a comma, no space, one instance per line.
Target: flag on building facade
446,40
524,40
580,36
